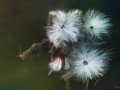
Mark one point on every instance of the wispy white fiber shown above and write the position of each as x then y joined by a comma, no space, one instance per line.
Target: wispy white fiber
89,63
64,28
56,64
96,23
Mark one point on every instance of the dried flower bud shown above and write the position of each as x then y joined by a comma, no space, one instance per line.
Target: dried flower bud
25,53
65,49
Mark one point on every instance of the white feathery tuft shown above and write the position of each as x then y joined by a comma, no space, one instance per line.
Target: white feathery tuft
64,28
88,64
67,63
96,23
56,64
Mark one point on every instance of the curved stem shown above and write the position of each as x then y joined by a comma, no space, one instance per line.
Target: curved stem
87,85
96,81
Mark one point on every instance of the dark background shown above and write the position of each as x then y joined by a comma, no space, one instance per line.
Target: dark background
22,22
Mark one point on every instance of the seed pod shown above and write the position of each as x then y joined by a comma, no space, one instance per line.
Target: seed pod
65,49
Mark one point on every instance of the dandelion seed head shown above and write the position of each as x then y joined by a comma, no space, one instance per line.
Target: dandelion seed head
89,63
64,28
96,23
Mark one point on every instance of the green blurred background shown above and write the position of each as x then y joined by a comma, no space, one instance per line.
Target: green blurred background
22,22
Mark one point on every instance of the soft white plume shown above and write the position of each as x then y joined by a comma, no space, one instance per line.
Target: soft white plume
57,64
89,63
64,28
96,23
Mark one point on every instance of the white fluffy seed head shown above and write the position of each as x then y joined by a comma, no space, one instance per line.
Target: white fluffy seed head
64,28
88,64
96,23
91,64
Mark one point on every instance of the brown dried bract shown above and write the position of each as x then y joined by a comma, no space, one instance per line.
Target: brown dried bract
36,47
52,15
80,15
65,49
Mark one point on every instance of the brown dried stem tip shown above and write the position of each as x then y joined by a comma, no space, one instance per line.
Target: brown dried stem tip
80,15
52,14
36,47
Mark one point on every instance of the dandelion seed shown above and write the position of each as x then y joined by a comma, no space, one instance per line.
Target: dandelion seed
65,28
96,23
89,63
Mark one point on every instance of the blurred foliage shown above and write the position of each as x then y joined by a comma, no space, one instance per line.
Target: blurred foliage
22,22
